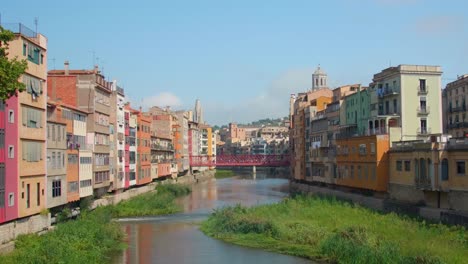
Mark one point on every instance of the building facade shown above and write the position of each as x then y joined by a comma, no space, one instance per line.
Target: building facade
455,96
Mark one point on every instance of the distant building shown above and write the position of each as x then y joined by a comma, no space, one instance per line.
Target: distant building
455,96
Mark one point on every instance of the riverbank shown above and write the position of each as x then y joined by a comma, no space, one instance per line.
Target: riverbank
221,174
337,231
93,236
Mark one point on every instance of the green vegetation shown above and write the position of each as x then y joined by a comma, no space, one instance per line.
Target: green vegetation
153,203
221,174
337,231
92,237
10,69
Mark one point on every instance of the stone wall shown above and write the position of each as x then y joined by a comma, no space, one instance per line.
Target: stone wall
10,231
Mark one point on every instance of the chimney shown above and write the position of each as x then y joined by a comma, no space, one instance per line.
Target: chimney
66,64
96,69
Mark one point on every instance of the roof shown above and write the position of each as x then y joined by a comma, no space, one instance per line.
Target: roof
319,71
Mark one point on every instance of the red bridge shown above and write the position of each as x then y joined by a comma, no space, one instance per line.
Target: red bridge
240,160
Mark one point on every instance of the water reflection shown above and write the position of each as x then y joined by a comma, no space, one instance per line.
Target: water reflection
176,238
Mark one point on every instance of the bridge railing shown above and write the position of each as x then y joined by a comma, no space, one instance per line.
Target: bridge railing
240,160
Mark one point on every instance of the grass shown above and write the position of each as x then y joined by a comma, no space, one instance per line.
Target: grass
93,237
160,202
221,174
337,231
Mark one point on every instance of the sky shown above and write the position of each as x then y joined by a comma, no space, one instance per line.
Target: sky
243,59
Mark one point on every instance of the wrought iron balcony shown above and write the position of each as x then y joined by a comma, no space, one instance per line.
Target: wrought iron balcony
384,92
423,110
423,131
423,90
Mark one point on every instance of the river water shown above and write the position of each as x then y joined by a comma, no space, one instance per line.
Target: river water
176,239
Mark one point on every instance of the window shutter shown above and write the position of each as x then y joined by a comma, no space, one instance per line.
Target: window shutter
24,116
25,150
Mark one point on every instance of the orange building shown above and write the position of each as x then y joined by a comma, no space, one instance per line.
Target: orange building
144,148
362,162
318,98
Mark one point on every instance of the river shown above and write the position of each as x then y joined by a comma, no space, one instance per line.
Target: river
176,239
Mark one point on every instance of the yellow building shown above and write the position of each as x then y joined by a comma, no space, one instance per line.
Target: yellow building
431,172
28,115
362,162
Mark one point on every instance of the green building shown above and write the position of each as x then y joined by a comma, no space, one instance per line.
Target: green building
358,109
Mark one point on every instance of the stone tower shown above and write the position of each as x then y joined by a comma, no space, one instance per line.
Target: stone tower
198,114
319,79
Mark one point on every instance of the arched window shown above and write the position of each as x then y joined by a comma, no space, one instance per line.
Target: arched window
416,169
321,81
316,81
445,170
422,169
430,171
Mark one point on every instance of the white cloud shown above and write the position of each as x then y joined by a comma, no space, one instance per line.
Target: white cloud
162,100
272,102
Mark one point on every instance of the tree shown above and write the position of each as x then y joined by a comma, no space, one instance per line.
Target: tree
10,70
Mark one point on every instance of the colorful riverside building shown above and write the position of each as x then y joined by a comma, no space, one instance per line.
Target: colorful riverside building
117,119
432,171
163,151
88,91
317,98
23,131
363,161
127,146
454,98
144,148
132,144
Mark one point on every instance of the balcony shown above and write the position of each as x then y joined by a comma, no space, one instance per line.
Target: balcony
457,109
423,110
423,131
423,90
423,183
169,147
384,92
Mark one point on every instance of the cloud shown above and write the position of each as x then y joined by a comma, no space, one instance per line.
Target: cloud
272,102
439,25
162,99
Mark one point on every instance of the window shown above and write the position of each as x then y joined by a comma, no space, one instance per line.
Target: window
372,148
31,117
362,149
72,187
32,151
461,167
11,199
399,165
33,86
38,193
56,188
25,47
72,159
422,84
28,195
85,183
407,165
85,160
11,116
445,170
11,152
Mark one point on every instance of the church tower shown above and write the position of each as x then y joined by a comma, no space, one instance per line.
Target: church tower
319,79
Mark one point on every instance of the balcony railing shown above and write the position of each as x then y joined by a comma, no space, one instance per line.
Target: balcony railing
423,90
423,182
457,109
423,110
423,131
384,92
